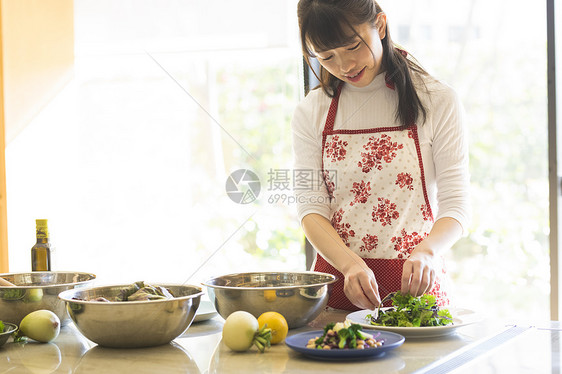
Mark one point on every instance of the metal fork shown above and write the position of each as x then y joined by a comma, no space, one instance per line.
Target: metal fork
384,299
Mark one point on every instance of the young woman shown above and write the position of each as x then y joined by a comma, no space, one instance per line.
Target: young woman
391,146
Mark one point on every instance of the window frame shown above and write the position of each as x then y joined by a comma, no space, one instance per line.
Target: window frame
554,157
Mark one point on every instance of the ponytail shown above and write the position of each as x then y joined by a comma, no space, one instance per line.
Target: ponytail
400,70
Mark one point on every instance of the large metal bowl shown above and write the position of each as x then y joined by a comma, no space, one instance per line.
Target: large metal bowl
38,290
132,324
298,296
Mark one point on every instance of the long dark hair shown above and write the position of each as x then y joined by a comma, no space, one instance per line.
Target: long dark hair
324,25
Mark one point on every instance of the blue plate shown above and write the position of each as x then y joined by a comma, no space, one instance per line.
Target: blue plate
298,343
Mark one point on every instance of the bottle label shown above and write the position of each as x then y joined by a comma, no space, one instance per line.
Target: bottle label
42,233
42,230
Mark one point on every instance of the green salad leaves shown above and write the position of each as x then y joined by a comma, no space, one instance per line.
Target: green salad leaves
409,311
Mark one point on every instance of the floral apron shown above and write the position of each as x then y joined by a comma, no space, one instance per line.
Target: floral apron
380,206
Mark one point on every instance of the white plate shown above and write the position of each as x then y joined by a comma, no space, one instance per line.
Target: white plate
461,317
205,311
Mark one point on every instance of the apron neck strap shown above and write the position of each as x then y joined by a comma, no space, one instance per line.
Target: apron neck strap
331,117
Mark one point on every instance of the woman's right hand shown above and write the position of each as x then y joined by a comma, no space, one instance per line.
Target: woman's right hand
360,286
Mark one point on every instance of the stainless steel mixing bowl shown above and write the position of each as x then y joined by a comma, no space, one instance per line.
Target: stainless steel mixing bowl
38,290
132,324
298,296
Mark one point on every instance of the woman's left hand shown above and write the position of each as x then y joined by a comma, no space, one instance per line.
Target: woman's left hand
418,273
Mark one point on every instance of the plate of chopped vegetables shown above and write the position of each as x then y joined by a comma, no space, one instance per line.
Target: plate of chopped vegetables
414,317
344,341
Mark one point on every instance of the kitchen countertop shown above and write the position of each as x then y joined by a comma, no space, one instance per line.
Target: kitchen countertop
485,346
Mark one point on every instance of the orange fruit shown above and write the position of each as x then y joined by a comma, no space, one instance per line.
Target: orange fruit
278,325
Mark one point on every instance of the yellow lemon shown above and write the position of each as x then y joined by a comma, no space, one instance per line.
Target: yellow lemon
278,325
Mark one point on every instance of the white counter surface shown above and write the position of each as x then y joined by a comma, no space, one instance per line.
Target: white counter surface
483,347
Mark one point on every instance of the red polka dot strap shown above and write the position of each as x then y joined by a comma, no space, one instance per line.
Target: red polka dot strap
331,117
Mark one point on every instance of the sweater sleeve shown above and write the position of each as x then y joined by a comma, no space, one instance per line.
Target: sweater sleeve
450,157
311,195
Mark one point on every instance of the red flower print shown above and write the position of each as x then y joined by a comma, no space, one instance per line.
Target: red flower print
335,149
379,150
362,192
406,243
341,227
426,212
405,180
441,296
411,133
330,185
385,212
370,242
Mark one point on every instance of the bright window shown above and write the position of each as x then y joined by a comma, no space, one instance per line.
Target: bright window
498,68
130,162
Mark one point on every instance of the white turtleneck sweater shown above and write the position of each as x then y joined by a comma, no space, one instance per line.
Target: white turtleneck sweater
443,142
